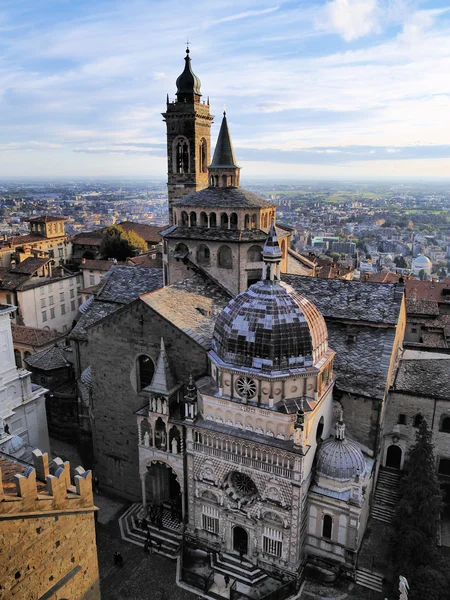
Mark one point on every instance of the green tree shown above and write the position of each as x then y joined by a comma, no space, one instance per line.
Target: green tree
400,262
119,244
415,553
421,274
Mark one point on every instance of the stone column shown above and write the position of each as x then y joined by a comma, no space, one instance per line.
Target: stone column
144,493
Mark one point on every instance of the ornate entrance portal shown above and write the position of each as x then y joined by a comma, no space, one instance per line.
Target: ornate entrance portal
240,540
161,485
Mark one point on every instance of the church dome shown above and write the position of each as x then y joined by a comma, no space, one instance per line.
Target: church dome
422,260
340,458
270,327
188,82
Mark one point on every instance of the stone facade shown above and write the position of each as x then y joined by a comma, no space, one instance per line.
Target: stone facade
133,332
47,531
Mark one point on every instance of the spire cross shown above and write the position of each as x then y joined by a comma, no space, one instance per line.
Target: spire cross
187,45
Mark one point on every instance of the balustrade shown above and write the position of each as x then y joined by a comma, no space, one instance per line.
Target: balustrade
251,456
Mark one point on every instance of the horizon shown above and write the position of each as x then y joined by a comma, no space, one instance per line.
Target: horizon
324,91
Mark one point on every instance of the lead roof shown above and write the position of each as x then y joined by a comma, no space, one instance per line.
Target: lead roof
229,197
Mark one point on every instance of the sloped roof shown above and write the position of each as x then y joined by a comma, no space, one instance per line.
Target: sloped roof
121,285
48,360
351,300
30,265
192,306
216,234
47,219
428,376
32,336
229,197
163,381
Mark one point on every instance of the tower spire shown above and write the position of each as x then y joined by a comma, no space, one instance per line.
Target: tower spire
271,256
224,170
188,84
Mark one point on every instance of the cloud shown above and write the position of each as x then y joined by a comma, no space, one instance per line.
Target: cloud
352,19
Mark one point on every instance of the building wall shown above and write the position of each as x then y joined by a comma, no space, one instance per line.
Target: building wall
120,341
235,279
404,435
49,545
53,305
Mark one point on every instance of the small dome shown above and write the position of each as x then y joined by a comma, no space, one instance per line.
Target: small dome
14,445
270,327
340,458
188,82
422,260
86,377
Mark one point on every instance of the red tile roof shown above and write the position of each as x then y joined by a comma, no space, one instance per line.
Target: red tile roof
32,336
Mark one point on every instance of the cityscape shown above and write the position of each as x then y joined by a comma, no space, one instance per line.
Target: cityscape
225,338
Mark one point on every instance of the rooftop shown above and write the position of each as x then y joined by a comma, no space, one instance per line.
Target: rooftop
32,336
48,360
226,197
350,300
218,234
121,285
192,306
46,219
424,374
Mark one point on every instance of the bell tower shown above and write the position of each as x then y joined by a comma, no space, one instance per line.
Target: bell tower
188,122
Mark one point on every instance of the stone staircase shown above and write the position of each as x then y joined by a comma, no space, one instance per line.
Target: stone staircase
166,541
243,571
386,495
369,579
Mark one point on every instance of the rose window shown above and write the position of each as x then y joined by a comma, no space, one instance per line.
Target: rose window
240,488
246,387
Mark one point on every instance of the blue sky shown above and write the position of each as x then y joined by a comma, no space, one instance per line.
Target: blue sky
344,88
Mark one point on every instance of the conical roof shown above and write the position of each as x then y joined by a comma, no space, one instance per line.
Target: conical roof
224,153
163,381
271,251
188,82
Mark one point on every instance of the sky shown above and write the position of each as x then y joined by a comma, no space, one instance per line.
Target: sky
339,89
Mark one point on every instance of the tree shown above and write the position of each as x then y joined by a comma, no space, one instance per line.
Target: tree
421,274
119,244
415,553
400,262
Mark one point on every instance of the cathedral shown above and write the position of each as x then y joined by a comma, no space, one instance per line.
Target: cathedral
238,403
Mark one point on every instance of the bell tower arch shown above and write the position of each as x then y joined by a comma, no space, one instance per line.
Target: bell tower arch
188,123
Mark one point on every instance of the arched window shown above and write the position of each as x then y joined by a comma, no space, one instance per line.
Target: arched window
417,420
233,221
212,220
181,250
181,156
327,526
445,424
247,222
193,219
18,358
283,247
264,220
253,225
224,221
203,219
203,255
254,254
224,180
319,430
225,258
184,219
174,217
202,156
145,371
